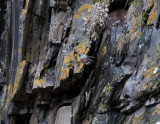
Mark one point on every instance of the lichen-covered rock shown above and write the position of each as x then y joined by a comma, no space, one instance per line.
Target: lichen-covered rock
43,80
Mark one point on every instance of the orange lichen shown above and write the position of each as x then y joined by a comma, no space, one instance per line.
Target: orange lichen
152,16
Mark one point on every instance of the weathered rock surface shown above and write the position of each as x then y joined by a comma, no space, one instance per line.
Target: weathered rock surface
43,81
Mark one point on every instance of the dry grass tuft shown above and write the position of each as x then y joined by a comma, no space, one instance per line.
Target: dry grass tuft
95,21
122,45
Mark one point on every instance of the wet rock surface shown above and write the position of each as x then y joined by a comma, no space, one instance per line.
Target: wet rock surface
43,81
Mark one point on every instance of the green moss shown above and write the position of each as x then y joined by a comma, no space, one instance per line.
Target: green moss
101,1
69,65
136,3
64,0
141,19
72,63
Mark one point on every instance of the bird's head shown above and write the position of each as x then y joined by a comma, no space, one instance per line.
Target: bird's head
80,55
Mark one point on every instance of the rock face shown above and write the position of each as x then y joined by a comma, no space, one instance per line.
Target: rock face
43,81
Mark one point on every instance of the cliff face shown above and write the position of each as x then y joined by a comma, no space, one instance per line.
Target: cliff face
43,81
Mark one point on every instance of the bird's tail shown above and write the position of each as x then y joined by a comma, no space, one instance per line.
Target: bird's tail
91,57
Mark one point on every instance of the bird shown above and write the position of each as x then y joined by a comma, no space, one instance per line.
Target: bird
86,59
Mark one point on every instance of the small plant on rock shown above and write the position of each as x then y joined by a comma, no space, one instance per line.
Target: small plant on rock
95,22
72,63
100,1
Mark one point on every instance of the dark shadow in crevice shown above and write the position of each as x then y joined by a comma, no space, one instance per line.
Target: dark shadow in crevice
158,23
23,119
119,5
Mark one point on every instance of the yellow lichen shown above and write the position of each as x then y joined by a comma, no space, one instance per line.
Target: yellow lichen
133,37
158,54
134,28
115,77
9,88
12,90
152,16
108,88
137,120
148,74
144,87
84,7
139,33
81,9
80,49
128,119
19,73
64,74
57,25
149,4
66,60
77,16
24,11
104,50
102,106
156,111
89,121
38,83
19,50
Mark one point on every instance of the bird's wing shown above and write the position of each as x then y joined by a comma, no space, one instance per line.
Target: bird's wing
91,57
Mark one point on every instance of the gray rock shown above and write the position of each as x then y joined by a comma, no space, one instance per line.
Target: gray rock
64,115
